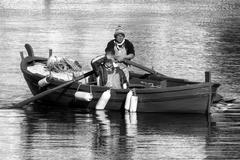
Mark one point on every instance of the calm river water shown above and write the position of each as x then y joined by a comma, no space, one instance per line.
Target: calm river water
180,38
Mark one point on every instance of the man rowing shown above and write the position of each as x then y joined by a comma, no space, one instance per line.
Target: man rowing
123,49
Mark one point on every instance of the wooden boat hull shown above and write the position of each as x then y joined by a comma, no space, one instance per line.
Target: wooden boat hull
192,100
184,97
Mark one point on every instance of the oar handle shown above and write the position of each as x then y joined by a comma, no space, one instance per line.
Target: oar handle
42,94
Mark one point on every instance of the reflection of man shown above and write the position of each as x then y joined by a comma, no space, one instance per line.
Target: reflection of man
123,48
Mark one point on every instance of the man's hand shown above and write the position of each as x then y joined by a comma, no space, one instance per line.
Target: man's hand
119,58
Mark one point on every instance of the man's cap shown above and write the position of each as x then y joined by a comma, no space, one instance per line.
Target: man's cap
119,30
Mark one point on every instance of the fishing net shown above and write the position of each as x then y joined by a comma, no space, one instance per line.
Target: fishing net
59,68
60,64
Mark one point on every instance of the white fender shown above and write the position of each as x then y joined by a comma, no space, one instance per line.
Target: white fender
133,104
98,81
43,82
128,100
84,96
103,100
124,85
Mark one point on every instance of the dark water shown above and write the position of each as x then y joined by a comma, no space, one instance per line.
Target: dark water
180,38
102,135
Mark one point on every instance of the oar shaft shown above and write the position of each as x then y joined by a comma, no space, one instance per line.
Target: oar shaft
42,94
143,68
153,72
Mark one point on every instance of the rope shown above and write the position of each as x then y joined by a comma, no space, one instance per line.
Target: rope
79,86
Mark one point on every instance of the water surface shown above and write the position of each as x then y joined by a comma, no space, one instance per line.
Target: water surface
179,38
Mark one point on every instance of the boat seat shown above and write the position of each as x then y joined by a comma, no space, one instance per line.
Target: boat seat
134,85
92,83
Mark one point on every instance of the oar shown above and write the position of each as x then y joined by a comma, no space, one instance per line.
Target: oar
143,68
47,92
152,71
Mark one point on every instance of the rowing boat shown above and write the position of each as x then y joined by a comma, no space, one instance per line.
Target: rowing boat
156,93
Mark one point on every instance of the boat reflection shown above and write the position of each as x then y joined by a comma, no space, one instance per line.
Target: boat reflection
223,138
57,133
151,123
141,135
112,135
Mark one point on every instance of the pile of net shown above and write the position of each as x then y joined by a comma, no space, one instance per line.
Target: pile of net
59,68
60,64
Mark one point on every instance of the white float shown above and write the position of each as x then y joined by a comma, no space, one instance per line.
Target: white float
128,100
103,100
133,102
85,96
45,81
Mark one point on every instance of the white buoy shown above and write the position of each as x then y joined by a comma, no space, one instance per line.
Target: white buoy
45,81
134,102
103,100
124,85
128,100
98,81
83,96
